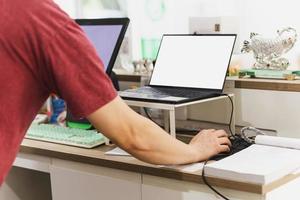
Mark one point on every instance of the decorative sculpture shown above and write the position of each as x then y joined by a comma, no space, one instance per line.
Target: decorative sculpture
268,52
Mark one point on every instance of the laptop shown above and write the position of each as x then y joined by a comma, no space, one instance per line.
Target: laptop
106,35
188,68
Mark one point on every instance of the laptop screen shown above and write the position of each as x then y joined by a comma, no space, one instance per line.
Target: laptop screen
193,61
106,35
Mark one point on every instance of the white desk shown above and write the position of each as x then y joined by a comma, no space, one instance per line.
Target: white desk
169,110
89,174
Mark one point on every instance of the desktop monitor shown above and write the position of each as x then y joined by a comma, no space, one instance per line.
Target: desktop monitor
106,35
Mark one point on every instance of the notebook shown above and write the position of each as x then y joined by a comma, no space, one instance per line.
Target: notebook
188,68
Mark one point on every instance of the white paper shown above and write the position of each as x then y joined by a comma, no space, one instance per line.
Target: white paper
117,152
291,143
256,164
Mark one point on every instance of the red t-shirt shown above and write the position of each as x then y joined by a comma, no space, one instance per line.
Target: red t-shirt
43,51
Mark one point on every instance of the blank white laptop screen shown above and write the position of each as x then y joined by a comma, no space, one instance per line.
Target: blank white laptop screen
193,61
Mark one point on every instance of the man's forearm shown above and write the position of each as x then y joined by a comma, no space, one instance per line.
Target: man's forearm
152,144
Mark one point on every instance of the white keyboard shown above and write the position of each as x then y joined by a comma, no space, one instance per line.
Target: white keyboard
64,135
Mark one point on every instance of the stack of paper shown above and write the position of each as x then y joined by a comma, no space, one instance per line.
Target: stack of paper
291,143
258,164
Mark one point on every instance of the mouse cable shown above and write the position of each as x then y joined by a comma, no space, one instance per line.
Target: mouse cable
231,115
209,185
205,163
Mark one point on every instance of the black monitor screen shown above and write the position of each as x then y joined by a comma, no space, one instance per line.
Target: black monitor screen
106,35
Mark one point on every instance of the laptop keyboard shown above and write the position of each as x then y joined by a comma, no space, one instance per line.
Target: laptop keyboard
178,92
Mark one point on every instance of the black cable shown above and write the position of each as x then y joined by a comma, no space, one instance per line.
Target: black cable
211,187
149,117
231,115
232,135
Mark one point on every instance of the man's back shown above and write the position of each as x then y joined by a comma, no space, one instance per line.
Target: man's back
38,44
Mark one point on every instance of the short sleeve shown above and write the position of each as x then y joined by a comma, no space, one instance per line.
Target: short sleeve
75,72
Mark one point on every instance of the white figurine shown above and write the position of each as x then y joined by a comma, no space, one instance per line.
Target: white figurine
268,52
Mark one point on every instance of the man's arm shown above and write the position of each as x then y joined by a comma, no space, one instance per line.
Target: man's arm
148,142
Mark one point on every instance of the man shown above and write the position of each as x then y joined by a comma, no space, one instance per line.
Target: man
42,51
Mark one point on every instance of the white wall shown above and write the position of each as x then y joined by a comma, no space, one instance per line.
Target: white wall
71,7
261,16
266,16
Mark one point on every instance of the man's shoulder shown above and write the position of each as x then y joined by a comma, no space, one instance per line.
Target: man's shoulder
41,18
22,7
44,11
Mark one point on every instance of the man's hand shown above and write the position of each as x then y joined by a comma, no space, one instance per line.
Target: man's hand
211,142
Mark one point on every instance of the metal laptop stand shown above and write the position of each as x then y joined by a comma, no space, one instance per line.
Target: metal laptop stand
169,110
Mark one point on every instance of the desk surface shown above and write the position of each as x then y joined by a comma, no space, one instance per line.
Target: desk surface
97,157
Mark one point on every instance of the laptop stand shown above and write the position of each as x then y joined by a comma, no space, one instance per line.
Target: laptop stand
169,110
